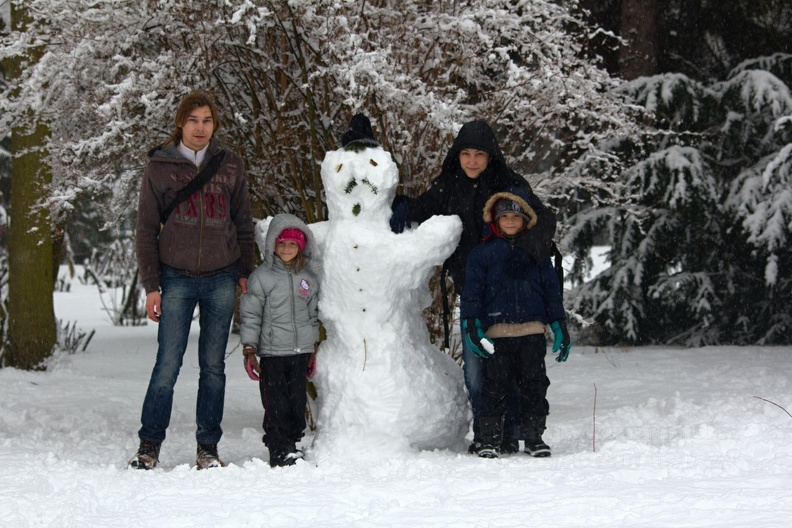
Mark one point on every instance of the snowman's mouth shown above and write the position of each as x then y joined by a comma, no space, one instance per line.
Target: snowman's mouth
352,183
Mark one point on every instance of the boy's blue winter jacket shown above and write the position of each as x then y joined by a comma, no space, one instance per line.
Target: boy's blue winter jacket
493,297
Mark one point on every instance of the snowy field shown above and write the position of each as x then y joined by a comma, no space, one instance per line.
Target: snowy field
679,438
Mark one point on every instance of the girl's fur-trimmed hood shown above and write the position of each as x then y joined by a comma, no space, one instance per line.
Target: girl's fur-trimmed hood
490,206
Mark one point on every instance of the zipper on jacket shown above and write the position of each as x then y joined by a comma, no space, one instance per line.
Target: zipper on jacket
201,213
293,309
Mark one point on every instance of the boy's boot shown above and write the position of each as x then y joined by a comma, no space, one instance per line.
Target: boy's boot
491,436
534,426
474,447
207,457
509,446
147,455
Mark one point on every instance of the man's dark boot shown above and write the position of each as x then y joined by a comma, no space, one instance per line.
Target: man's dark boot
147,455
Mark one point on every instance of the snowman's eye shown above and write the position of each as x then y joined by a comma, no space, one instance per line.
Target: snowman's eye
338,169
373,162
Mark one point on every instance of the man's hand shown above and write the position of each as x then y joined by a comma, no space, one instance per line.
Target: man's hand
154,306
243,284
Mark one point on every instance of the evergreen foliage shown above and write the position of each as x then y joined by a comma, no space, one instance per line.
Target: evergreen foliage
699,224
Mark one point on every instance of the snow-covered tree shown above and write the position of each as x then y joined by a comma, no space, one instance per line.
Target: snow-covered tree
699,224
31,317
288,75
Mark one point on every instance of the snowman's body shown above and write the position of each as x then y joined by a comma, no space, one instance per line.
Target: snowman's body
381,384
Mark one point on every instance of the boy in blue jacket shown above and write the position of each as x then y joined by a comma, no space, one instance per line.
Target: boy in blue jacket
506,303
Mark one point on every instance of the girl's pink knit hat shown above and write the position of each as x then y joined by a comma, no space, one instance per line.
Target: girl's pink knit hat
294,234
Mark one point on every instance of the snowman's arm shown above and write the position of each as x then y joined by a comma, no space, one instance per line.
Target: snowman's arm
319,231
439,235
261,233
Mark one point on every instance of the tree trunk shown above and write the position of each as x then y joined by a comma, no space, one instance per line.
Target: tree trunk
31,315
639,57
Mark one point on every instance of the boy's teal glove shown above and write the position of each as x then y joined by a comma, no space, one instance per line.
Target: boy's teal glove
561,340
474,336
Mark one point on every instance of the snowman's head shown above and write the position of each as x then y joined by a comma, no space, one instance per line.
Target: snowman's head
359,184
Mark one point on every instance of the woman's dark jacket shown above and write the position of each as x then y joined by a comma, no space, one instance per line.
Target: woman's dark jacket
453,193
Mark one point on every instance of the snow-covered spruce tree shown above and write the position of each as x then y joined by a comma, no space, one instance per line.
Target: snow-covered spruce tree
699,223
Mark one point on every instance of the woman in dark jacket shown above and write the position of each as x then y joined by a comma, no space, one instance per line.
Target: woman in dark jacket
473,170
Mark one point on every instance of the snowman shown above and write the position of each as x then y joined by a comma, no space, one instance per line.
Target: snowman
382,387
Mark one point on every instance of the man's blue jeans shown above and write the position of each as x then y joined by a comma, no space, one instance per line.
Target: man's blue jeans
215,296
475,370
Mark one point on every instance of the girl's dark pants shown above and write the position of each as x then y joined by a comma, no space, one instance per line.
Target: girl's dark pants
282,387
520,359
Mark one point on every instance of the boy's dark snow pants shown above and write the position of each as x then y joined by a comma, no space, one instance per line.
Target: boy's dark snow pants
520,359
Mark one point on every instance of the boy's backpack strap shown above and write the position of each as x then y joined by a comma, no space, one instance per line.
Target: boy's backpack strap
195,184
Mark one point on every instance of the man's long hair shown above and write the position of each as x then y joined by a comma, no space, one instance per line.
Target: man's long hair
190,102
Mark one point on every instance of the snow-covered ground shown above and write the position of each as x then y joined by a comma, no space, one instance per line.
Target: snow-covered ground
682,439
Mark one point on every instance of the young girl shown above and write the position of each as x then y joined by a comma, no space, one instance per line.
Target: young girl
506,303
280,328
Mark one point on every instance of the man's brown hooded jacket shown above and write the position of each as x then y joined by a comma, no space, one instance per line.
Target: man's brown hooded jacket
209,232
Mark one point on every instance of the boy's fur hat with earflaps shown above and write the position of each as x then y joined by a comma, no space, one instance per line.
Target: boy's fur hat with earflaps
525,210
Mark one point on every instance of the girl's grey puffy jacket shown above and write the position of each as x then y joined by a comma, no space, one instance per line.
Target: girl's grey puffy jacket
280,309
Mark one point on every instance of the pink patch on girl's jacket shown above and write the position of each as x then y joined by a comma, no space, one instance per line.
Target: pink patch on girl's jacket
304,287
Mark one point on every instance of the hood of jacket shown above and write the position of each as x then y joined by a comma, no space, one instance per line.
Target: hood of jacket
514,194
171,153
276,226
476,135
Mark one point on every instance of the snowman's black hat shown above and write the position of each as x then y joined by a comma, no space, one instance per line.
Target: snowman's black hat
359,133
